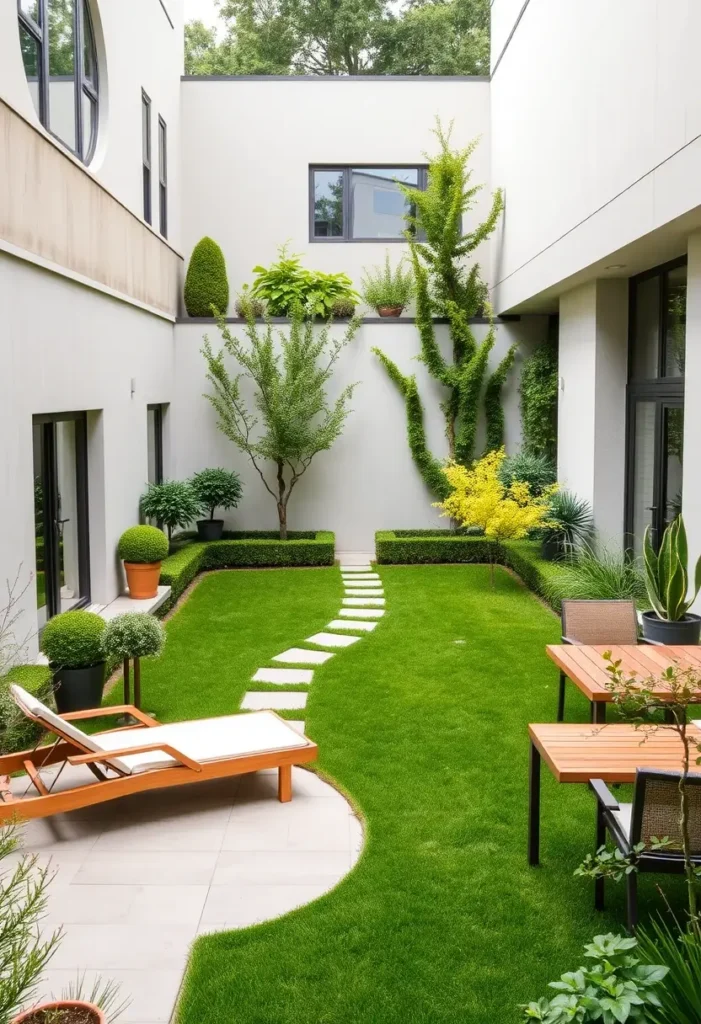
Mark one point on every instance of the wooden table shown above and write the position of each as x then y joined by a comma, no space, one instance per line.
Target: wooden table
578,753
586,667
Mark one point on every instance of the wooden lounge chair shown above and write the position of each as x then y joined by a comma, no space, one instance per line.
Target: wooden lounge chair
144,756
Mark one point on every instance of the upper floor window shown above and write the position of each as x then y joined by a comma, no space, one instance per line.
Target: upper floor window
658,322
163,176
361,203
146,154
60,61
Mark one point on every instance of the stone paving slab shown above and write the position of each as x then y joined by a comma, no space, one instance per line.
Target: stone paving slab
356,568
298,656
256,700
351,581
361,613
360,601
357,592
332,640
283,676
356,624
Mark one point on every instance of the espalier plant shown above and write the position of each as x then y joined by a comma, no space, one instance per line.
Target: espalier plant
667,573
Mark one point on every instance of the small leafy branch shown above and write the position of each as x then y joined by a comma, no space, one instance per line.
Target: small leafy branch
12,649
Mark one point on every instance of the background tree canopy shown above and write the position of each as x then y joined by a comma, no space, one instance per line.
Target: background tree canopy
342,37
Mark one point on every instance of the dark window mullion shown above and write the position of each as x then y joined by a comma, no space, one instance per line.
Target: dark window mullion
30,26
78,71
347,205
44,66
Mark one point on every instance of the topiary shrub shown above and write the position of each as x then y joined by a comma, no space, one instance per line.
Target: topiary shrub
143,545
206,284
216,488
133,635
172,503
73,639
17,732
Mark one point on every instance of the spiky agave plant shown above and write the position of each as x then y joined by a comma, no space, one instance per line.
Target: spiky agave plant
667,573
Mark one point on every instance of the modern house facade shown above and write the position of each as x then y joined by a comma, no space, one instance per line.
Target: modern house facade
113,166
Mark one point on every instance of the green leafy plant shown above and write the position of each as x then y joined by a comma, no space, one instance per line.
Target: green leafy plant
447,287
73,639
615,988
535,470
286,284
290,396
206,284
385,286
603,575
17,732
103,994
343,309
538,388
172,502
571,520
217,488
23,900
667,573
143,544
133,635
247,306
680,950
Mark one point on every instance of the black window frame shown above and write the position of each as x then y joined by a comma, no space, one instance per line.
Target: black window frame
146,151
157,410
346,170
83,86
162,176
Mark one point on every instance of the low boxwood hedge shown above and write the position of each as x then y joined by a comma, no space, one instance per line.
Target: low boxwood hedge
244,551
17,732
418,547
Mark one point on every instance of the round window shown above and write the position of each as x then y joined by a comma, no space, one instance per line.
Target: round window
60,61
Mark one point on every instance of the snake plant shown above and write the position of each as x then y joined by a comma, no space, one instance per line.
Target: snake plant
667,573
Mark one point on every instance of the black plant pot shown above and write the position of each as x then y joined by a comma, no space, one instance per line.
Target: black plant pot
77,689
210,529
552,548
683,633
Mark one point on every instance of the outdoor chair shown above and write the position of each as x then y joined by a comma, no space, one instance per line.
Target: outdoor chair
595,622
144,756
655,811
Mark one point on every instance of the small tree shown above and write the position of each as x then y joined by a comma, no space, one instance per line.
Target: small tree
206,284
172,503
216,488
133,635
296,421
479,498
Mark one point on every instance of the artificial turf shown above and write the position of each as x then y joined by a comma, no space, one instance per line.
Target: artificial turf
423,724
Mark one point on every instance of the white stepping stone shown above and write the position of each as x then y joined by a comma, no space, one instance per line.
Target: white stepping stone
361,576
259,701
369,584
356,568
298,656
332,640
283,676
355,592
365,627
361,613
360,601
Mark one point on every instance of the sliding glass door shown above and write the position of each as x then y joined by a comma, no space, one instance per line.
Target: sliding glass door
61,513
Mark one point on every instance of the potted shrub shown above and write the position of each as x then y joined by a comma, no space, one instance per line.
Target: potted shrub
133,635
63,1011
172,503
72,643
343,309
247,306
388,291
215,488
142,549
667,582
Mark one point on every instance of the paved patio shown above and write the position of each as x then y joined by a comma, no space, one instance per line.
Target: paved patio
139,878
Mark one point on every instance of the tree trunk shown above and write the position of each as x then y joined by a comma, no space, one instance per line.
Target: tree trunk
282,515
127,698
282,501
137,682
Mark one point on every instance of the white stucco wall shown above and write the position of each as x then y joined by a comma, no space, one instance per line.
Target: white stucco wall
368,481
596,138
256,140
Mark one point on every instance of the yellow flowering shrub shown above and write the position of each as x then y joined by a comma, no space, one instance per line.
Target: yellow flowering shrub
479,498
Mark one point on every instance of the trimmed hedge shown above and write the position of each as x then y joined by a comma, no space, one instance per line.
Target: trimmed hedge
244,550
425,547
17,732
206,283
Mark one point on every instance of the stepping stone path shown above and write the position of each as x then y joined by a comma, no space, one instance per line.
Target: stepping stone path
363,593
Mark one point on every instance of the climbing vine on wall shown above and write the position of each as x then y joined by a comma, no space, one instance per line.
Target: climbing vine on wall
447,288
539,402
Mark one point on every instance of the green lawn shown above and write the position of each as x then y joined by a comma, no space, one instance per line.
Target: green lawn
441,922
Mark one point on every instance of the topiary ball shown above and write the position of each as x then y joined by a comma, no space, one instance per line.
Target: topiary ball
73,639
206,284
143,545
133,635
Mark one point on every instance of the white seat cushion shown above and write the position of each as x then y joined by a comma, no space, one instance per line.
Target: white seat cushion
623,817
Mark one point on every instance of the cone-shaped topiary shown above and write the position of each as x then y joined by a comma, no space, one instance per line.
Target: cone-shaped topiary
206,284
143,545
72,639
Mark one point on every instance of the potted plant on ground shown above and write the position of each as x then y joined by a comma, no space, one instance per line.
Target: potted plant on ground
570,525
247,306
133,635
142,549
172,503
71,642
215,488
667,581
388,291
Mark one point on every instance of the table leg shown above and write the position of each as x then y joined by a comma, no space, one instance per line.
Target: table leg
534,807
598,712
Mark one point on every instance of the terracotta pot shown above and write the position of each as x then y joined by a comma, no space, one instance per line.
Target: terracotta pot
390,310
142,579
97,1016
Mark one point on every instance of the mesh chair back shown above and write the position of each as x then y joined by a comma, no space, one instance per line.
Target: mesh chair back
657,809
600,622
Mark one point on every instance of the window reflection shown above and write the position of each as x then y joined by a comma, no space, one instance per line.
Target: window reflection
675,323
378,207
30,58
62,71
328,204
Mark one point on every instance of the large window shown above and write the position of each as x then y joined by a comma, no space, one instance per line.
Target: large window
361,203
656,401
60,61
163,176
146,154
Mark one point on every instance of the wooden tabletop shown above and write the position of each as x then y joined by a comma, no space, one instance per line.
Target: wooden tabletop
586,667
578,753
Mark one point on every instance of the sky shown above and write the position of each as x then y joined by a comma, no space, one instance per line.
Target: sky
205,10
